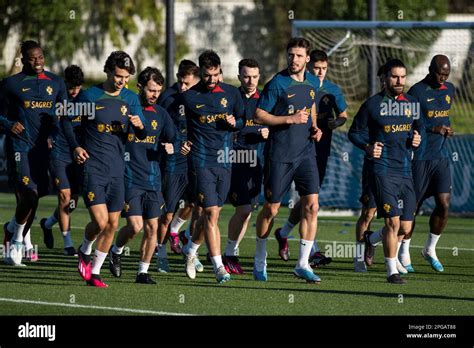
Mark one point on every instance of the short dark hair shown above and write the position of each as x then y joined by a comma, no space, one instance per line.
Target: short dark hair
318,56
74,75
299,42
151,73
121,60
187,67
209,59
249,63
28,45
390,64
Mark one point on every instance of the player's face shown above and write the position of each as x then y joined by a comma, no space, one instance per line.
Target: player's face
73,91
297,59
395,80
118,78
442,74
151,92
318,69
34,61
249,79
187,82
210,76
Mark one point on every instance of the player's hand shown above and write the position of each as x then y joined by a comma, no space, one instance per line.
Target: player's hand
136,121
300,117
334,123
230,119
416,139
80,155
50,142
443,130
168,148
374,150
316,133
186,148
264,132
17,128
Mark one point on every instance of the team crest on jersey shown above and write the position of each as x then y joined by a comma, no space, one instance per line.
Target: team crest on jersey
26,180
123,110
430,113
312,94
202,119
154,124
101,127
387,208
49,90
91,196
407,112
126,207
200,197
27,104
448,99
386,128
326,100
224,102
131,137
56,181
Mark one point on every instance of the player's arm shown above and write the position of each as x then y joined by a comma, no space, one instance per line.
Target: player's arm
316,133
340,109
170,139
359,133
235,120
136,118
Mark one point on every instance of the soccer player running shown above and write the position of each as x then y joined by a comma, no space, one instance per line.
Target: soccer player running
288,106
117,109
177,183
332,113
247,177
431,163
389,116
30,98
143,197
214,111
64,169
369,207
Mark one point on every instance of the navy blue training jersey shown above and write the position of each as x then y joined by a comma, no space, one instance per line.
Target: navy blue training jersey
435,107
392,128
141,155
169,99
206,112
62,147
31,100
330,102
284,96
105,134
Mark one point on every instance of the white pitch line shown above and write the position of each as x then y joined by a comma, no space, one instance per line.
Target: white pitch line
117,309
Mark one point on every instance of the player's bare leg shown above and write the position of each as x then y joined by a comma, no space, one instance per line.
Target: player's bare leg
362,225
390,242
147,249
192,263
66,203
264,226
236,230
403,263
213,240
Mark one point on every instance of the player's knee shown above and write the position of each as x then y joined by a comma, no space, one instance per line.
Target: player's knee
244,212
368,215
311,209
30,197
64,198
443,207
392,226
101,224
212,214
270,210
135,227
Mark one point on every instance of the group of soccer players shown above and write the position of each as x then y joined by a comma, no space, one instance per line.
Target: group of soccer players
160,158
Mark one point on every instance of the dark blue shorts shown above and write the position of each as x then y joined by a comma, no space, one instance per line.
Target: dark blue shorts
175,188
139,202
246,184
31,169
104,190
431,177
66,175
395,196
367,197
212,186
278,177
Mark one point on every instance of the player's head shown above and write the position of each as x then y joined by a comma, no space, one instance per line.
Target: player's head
395,76
188,75
249,74
118,67
150,83
74,78
297,51
210,67
32,57
440,68
318,64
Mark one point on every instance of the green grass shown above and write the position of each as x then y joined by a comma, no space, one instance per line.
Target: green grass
342,292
